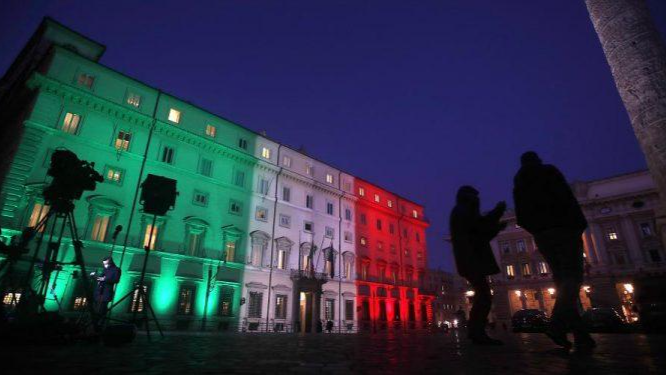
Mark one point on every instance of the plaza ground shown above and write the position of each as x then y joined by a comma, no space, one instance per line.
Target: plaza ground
414,353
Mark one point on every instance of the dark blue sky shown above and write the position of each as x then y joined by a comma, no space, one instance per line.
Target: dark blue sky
419,97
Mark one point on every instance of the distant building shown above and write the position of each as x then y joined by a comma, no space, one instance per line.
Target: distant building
621,246
448,291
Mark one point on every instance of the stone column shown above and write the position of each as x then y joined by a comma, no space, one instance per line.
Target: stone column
599,245
589,247
636,54
633,244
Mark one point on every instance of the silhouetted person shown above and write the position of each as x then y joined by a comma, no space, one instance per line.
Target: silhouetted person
471,233
547,208
106,282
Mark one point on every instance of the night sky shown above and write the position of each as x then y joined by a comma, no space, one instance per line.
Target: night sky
419,97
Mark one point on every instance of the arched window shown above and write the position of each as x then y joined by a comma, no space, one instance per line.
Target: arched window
281,260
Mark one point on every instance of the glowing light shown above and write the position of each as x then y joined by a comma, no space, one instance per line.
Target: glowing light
629,288
469,293
551,291
587,288
518,293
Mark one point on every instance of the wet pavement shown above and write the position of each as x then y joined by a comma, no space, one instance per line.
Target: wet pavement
415,353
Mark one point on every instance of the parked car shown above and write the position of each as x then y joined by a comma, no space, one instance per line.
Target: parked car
604,319
529,320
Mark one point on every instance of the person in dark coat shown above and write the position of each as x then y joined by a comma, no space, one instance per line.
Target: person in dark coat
471,233
547,208
106,283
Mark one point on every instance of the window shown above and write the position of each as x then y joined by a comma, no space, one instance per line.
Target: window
526,269
230,251
348,237
611,233
506,247
655,257
347,186
349,309
265,152
263,186
406,253
137,303
239,178
365,267
329,178
167,154
348,214
133,99
418,237
308,226
543,268
380,245
185,299
520,245
193,243
174,115
363,219
286,194
329,263
286,161
123,140
254,307
149,241
280,306
226,299
391,228
285,221
200,198
329,309
211,131
415,214
114,175
80,303
377,199
379,224
646,229
404,232
85,80
309,201
100,226
235,207
348,267
39,211
242,143
419,255
389,203
261,214
309,170
206,167
393,249
329,208
71,123
363,241
282,259
361,192
329,232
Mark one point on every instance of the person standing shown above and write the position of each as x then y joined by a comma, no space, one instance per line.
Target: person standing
547,208
106,283
471,233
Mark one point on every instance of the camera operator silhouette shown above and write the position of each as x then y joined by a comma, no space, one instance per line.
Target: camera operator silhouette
471,233
547,208
106,282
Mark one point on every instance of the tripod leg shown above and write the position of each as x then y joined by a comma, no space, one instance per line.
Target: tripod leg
157,324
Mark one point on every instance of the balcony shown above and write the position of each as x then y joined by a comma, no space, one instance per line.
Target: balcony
309,275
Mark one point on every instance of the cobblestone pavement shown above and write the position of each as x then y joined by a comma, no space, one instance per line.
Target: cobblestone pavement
419,353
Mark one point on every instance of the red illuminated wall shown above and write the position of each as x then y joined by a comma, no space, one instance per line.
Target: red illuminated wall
391,255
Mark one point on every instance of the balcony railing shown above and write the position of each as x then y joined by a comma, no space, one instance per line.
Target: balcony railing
308,274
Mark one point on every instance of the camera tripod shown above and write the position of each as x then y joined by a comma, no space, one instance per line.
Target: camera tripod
139,293
34,298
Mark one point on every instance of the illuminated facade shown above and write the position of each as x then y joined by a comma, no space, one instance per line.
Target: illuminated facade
262,237
621,248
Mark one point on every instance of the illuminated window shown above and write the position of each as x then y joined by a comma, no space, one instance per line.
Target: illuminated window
235,207
39,211
11,298
185,300
242,143
285,221
377,198
174,115
167,154
80,303
526,269
280,306
261,214
71,123
266,153
114,175
254,305
85,80
329,178
194,242
282,259
611,233
133,99
226,299
415,214
211,131
99,229
147,239
510,271
309,170
123,140
230,251
543,268
361,192
200,198
364,241
389,203
309,201
286,161
138,303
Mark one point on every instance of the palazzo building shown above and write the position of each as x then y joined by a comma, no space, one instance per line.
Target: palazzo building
263,237
621,247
